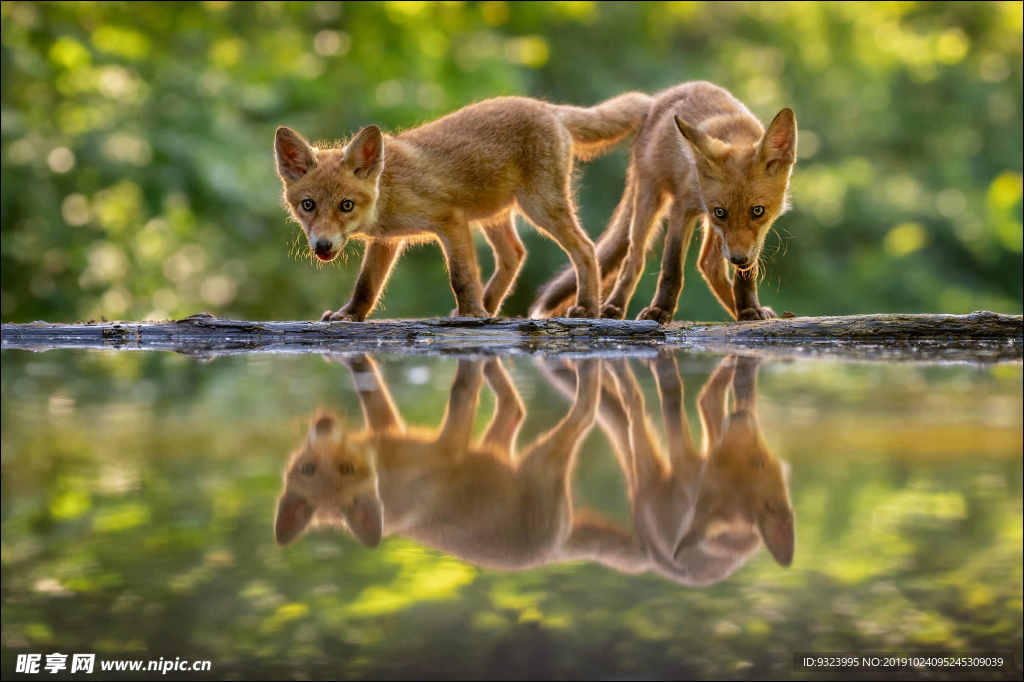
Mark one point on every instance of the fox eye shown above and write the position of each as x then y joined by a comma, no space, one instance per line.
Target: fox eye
720,213
757,211
346,468
308,205
307,468
347,205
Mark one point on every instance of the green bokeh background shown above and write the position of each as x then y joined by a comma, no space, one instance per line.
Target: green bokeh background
138,179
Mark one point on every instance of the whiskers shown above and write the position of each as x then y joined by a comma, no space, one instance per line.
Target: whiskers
762,264
753,267
782,239
299,250
779,247
345,252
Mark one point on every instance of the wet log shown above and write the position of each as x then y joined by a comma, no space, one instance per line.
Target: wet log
980,337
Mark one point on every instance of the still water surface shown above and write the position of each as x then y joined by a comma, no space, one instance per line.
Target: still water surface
680,516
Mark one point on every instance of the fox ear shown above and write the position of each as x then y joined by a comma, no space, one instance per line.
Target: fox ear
365,153
364,519
778,148
776,525
293,515
704,145
294,156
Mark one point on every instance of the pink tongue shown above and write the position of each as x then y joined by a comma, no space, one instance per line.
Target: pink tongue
323,256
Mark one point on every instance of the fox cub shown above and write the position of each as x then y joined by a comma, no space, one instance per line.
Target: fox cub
473,167
699,515
726,171
484,500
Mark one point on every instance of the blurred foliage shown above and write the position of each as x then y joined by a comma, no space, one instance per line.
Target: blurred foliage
138,178
139,492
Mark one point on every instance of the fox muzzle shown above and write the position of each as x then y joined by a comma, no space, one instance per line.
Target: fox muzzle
327,248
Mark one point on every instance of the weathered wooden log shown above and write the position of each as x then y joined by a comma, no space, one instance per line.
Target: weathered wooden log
977,337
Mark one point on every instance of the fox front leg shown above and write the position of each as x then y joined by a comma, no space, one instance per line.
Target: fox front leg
463,271
712,267
744,290
378,260
681,224
379,411
463,399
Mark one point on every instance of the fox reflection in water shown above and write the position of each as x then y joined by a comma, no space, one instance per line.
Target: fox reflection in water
477,501
698,515
491,505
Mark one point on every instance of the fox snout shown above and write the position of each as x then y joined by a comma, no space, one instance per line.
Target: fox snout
739,256
323,248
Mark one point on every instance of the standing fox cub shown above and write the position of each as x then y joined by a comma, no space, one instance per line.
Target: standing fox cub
472,167
730,173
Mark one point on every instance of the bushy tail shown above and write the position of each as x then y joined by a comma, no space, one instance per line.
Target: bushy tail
594,129
557,295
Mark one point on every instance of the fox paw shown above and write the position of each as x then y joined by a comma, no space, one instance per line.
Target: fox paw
578,311
612,312
762,313
653,312
473,313
341,315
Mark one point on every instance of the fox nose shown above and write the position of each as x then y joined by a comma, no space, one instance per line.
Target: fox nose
739,261
322,247
323,426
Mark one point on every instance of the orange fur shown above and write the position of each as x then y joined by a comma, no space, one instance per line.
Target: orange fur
474,167
699,157
481,500
699,515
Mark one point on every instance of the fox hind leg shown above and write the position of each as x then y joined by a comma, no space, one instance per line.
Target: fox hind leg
509,254
559,445
556,295
555,215
509,411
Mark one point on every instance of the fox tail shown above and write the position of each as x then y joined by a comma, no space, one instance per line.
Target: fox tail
596,128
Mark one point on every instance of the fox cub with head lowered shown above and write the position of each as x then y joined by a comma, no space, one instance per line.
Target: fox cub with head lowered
697,514
725,171
473,167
